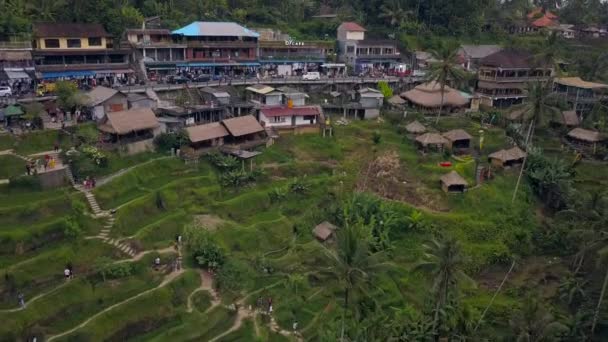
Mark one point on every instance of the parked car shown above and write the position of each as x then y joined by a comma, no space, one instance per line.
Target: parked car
5,91
311,76
178,80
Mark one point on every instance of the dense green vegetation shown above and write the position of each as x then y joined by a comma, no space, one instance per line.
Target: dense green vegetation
427,263
466,18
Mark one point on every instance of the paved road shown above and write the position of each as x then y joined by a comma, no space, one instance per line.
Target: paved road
238,82
273,81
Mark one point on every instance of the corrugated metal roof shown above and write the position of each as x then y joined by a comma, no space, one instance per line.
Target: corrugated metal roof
211,28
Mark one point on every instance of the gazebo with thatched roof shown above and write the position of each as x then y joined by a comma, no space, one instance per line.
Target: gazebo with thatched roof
507,158
453,182
458,139
415,127
429,140
584,138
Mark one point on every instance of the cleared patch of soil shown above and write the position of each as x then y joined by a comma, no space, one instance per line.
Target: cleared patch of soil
208,222
387,178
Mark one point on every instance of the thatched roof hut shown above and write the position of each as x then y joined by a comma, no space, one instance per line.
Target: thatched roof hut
453,182
431,140
586,135
428,95
415,127
458,138
506,158
567,118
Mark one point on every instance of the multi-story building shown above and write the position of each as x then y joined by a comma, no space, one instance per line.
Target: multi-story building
157,48
365,55
223,48
16,65
504,75
581,95
280,54
78,50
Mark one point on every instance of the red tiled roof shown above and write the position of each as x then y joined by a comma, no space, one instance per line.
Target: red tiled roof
540,10
286,111
351,26
544,21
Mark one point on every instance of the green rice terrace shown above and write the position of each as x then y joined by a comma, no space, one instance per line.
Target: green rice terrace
162,250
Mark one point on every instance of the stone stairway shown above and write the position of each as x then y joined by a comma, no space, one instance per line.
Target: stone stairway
104,234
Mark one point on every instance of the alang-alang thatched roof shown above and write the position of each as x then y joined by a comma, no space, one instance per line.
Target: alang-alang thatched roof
428,95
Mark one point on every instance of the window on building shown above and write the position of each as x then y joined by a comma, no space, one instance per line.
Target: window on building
51,43
350,49
74,43
278,119
95,41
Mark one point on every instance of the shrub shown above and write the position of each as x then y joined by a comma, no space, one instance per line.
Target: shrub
167,141
376,137
205,251
232,276
385,89
223,162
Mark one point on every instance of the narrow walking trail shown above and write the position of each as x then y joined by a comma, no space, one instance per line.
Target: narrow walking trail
169,278
206,285
33,299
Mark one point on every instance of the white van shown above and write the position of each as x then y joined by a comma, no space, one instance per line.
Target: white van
311,76
5,91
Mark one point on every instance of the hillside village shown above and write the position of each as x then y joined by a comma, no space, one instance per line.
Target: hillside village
220,182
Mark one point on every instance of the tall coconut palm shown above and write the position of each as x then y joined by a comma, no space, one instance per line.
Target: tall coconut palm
539,108
393,13
445,262
353,263
549,55
445,69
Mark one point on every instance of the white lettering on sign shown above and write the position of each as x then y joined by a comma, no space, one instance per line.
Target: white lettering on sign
291,42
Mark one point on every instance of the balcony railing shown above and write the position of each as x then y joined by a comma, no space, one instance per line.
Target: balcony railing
302,57
168,44
15,45
225,45
221,59
93,66
522,79
379,56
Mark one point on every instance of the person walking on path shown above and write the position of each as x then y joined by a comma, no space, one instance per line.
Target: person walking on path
28,168
21,299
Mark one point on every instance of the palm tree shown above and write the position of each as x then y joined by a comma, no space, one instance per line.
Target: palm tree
393,13
352,263
548,57
534,324
540,104
444,260
445,69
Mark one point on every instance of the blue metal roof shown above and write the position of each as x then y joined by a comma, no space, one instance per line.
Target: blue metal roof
67,74
212,28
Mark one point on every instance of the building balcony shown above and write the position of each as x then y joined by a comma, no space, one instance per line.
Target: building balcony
523,79
73,67
159,45
16,45
221,45
221,59
578,98
293,57
380,56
